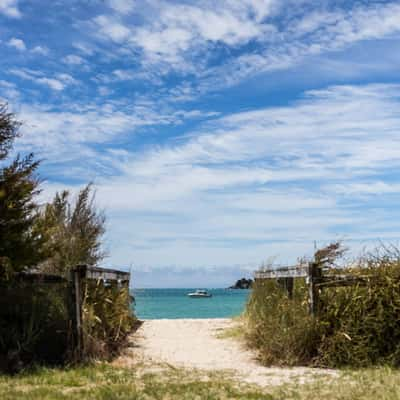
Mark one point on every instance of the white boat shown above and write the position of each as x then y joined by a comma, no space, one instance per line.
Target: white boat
200,293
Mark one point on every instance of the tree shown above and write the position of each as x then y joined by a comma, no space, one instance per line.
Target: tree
19,243
9,130
71,231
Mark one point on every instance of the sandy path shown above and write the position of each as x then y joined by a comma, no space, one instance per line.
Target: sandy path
194,343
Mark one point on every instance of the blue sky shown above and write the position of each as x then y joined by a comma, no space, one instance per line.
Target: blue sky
218,134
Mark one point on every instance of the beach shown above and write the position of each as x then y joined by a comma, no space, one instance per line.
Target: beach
203,344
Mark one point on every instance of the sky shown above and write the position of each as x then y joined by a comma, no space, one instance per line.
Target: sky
218,135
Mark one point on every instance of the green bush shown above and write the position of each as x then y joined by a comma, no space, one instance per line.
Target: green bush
34,324
107,318
361,324
356,325
279,327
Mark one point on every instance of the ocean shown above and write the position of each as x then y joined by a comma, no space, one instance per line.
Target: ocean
174,303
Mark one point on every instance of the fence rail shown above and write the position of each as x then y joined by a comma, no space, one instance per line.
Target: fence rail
315,278
295,271
103,274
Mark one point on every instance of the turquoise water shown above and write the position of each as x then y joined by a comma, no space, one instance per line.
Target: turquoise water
174,303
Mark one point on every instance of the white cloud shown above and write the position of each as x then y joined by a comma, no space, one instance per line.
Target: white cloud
64,137
41,50
52,83
85,48
112,29
58,82
10,8
307,36
17,44
8,91
67,79
181,27
172,29
25,73
104,90
122,6
184,37
73,59
372,188
124,75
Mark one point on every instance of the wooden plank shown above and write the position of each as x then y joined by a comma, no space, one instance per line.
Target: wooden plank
282,272
106,274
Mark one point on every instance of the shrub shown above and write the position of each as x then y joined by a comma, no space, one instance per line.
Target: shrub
107,317
34,324
361,324
356,325
279,327
36,327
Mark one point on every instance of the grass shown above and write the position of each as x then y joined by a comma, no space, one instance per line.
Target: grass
103,381
235,331
367,384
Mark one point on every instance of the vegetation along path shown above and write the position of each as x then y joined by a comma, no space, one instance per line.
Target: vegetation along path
206,344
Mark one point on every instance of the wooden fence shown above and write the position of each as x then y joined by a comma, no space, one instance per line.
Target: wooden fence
78,275
315,276
74,285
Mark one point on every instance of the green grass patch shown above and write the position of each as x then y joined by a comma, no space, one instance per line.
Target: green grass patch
106,382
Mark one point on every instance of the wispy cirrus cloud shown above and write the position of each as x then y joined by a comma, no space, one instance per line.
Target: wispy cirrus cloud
181,32
58,82
257,181
307,36
62,134
216,133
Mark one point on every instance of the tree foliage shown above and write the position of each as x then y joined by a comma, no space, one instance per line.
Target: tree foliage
19,243
9,130
72,231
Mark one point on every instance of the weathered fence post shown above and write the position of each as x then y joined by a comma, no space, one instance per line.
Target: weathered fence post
289,287
287,284
76,276
314,273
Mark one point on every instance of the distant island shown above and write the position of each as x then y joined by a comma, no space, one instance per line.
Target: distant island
242,284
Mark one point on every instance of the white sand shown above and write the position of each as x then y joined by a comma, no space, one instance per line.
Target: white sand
194,343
